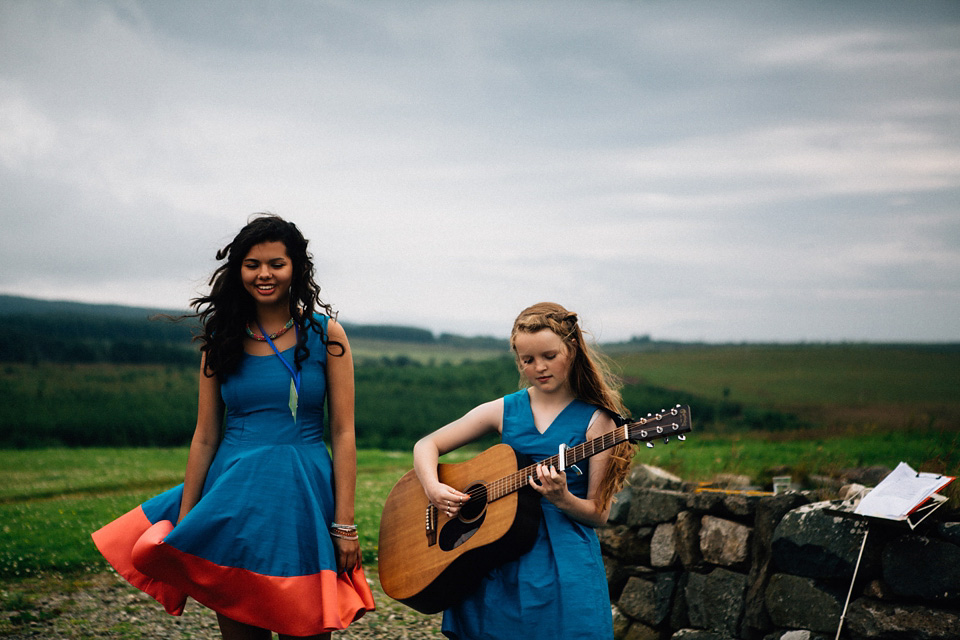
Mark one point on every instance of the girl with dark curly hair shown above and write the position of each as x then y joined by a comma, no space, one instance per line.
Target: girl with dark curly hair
262,528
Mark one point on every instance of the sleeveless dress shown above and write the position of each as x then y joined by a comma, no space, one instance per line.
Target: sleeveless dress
256,547
559,588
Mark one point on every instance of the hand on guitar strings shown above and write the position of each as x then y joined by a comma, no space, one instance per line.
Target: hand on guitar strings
550,483
447,499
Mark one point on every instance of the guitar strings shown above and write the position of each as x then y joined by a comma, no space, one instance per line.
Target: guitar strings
519,479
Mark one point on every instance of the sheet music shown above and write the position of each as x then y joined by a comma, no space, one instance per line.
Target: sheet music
901,493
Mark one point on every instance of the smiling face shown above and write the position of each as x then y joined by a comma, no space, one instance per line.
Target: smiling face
267,272
544,360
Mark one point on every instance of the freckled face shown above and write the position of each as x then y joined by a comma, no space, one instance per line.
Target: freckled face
267,273
544,360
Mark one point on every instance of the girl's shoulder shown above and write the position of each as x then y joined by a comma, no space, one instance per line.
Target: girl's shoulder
318,332
520,393
319,322
601,421
517,397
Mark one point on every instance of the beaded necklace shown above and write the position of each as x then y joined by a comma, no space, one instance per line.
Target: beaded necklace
273,336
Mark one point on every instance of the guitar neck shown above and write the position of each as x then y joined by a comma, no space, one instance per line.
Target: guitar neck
520,479
662,425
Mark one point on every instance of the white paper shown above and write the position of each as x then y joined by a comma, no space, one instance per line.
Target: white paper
900,493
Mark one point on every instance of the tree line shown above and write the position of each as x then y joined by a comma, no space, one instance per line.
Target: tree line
69,332
398,401
144,391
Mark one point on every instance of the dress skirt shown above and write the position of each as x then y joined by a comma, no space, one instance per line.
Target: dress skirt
256,547
271,566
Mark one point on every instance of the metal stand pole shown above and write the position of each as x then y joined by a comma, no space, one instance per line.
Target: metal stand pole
852,582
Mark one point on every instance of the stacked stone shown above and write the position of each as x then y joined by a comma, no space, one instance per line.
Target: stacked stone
689,565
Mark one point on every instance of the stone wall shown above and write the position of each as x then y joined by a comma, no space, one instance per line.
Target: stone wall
688,563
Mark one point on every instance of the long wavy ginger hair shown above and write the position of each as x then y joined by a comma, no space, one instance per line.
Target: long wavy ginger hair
590,377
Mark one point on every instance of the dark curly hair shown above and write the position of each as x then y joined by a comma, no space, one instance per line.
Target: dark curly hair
224,313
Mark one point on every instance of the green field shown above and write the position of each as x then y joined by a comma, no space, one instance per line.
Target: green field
406,390
806,375
52,499
831,386
825,408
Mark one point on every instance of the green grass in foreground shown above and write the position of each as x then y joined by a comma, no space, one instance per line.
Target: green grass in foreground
52,499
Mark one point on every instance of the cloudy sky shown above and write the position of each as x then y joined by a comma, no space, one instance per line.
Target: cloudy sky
720,171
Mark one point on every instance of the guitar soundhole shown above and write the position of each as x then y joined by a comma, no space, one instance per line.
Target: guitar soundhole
460,529
476,505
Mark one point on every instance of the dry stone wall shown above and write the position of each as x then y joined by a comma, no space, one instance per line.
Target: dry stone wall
684,563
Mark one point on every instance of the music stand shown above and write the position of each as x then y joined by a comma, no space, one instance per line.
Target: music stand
846,510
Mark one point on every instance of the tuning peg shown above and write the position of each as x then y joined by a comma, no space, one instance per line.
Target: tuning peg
681,437
666,440
649,445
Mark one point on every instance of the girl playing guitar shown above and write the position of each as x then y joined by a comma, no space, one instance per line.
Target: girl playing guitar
559,586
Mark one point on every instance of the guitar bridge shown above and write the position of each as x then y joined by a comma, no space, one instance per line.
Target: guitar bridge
430,527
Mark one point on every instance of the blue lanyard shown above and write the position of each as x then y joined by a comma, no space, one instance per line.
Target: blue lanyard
294,373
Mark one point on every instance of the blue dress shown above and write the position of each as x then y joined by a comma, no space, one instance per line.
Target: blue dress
558,588
256,547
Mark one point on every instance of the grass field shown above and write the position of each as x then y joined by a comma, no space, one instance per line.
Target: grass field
866,406
828,385
366,349
52,499
796,375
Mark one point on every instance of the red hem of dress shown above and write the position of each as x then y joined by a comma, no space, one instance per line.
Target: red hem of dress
115,542
297,605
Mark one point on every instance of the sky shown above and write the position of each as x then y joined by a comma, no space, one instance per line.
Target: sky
697,171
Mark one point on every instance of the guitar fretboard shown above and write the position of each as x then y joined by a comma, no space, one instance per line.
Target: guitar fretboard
519,479
673,422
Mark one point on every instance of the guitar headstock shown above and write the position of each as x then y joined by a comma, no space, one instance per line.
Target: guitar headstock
665,424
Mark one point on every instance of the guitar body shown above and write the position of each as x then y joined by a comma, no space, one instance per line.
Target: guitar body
429,561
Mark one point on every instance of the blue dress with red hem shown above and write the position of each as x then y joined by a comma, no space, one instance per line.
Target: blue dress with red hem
558,589
256,547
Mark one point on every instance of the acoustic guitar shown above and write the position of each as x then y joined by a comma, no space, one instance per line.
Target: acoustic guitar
429,561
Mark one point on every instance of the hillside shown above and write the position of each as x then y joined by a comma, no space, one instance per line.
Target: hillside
65,331
19,305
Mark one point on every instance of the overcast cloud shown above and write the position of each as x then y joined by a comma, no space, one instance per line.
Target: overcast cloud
687,170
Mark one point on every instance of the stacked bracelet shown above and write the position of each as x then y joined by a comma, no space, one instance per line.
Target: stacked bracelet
344,537
344,531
